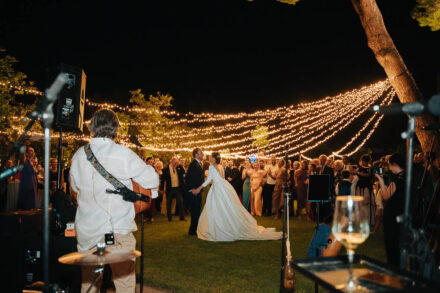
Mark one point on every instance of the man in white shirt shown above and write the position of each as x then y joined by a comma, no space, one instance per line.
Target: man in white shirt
100,213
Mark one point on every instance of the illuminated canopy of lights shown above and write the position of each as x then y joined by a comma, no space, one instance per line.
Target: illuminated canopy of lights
297,129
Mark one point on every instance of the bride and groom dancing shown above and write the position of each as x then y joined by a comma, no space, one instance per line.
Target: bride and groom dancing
223,217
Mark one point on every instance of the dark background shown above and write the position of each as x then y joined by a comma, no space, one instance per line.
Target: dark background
216,56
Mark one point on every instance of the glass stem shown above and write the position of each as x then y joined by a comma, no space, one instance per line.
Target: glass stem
351,283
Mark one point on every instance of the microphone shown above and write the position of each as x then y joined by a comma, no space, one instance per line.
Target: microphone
412,109
51,95
11,171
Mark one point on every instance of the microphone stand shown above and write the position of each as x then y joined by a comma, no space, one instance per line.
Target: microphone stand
415,255
18,144
285,225
47,117
421,205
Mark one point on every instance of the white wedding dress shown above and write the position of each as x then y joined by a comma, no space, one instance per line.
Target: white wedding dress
224,218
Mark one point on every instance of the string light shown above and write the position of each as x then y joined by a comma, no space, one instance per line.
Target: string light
26,90
304,126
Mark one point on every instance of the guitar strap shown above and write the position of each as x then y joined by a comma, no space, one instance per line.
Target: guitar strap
101,170
127,194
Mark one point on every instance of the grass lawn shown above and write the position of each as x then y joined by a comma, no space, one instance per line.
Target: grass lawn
177,262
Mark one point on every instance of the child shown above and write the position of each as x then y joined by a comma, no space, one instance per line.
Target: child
344,187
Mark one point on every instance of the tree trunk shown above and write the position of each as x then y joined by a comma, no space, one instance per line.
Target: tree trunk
389,58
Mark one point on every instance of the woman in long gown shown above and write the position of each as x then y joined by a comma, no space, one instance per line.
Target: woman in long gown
246,197
224,218
301,187
257,182
364,186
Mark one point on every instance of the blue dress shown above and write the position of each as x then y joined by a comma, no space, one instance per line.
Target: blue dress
28,191
246,197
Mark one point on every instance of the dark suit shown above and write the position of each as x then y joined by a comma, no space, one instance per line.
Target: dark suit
236,181
184,193
173,192
326,170
194,178
228,172
325,210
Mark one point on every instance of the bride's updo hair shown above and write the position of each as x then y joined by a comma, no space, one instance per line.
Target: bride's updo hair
217,158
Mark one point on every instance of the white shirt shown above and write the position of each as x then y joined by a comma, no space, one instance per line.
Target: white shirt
274,170
100,212
174,177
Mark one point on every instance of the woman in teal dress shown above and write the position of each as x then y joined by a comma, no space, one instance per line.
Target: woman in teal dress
246,197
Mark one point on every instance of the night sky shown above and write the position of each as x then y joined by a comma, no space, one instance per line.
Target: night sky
216,56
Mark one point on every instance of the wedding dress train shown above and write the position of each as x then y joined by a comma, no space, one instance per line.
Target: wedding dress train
225,219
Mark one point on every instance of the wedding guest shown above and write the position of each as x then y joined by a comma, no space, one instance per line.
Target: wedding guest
149,161
364,185
278,192
9,164
53,175
327,170
246,196
182,164
346,162
8,187
181,167
236,180
379,208
300,177
40,186
339,167
155,202
343,187
394,194
257,180
158,166
28,190
312,170
173,180
271,171
293,190
261,164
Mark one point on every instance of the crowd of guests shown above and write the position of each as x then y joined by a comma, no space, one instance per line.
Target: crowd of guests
259,184
27,186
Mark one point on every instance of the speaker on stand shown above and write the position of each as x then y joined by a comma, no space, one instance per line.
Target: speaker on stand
69,109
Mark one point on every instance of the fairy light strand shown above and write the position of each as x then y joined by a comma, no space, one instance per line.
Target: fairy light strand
305,125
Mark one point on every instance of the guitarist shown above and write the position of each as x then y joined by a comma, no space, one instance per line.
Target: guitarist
103,216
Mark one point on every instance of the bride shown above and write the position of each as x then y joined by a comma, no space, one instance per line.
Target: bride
224,218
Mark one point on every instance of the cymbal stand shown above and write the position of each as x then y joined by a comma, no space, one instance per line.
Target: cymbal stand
99,271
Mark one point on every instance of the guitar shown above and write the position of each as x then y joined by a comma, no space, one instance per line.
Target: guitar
141,206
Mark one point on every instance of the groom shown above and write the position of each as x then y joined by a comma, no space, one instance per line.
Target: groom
194,178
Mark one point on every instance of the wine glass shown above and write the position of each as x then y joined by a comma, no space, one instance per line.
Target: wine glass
351,228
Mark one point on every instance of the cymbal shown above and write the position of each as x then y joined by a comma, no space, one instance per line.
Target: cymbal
91,257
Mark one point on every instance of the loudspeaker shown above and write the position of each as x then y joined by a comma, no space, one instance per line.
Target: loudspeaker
69,109
318,189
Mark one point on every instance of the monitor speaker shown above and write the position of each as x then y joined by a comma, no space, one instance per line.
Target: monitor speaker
69,108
